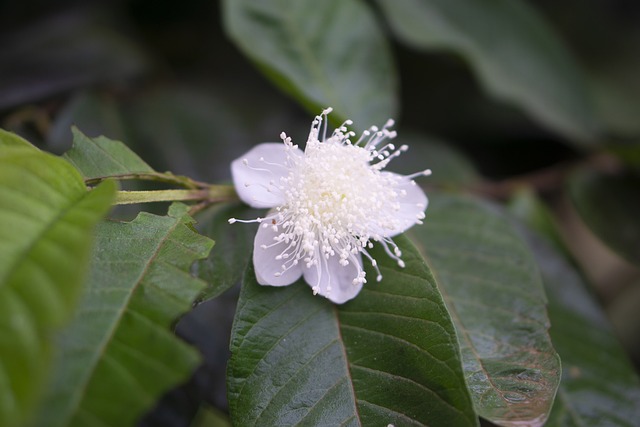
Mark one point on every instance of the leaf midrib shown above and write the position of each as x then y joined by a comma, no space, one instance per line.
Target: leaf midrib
81,389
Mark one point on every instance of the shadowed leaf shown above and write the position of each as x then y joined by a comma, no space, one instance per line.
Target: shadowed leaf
516,55
610,206
326,54
494,293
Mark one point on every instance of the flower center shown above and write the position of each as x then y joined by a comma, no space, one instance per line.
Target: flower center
337,199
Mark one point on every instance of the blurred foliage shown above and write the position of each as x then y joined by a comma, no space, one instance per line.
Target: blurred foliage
500,109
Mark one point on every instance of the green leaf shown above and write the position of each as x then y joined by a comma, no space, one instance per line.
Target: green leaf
326,54
599,386
119,354
610,206
389,356
101,157
46,221
228,260
496,298
10,139
516,55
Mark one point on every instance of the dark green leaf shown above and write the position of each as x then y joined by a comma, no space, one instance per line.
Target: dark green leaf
526,206
610,206
515,53
494,293
101,157
228,260
119,352
69,49
599,386
46,219
326,54
449,166
94,112
389,356
194,132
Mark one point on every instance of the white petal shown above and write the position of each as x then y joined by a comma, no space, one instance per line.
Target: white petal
256,175
265,263
412,206
338,277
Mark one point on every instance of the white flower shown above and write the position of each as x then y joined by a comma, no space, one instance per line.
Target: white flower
328,204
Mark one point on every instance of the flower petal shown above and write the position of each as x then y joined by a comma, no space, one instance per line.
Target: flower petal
335,281
412,206
265,263
256,175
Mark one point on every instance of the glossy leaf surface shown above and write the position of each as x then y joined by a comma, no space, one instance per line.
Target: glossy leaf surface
493,290
390,355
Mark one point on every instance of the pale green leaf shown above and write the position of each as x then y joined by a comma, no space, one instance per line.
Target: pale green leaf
46,221
330,53
102,157
514,52
496,298
119,354
390,356
10,139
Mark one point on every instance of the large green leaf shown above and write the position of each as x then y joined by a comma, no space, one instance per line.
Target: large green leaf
610,206
46,221
515,53
101,157
493,290
389,356
119,354
330,53
599,386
